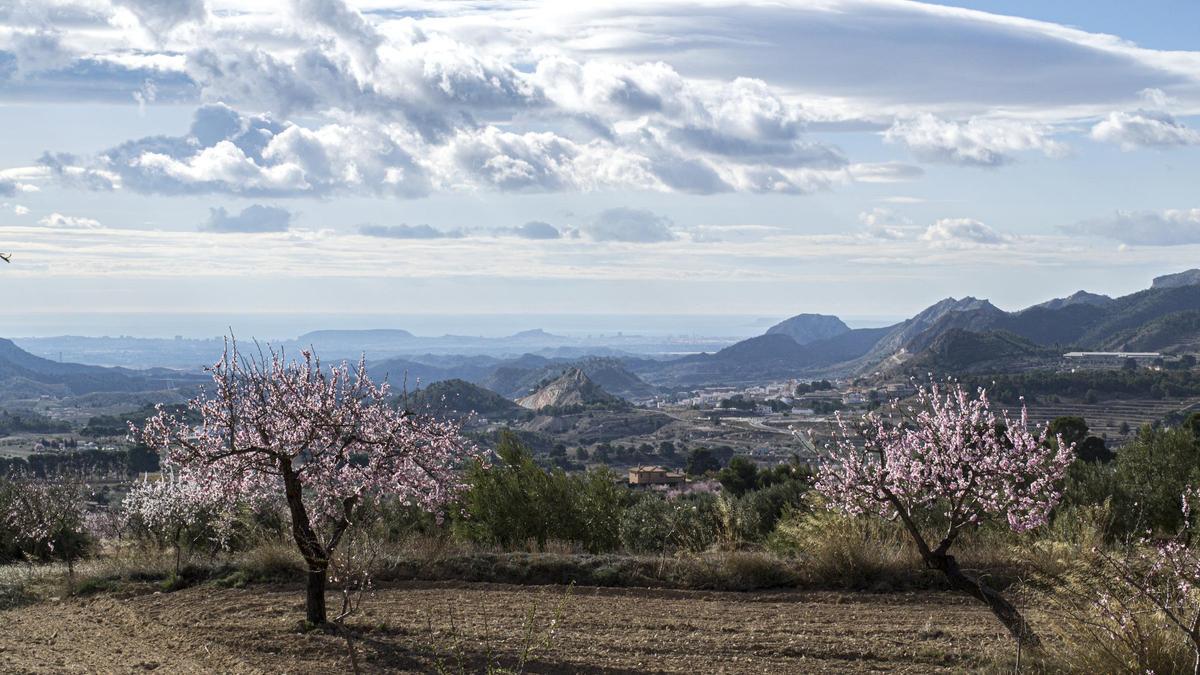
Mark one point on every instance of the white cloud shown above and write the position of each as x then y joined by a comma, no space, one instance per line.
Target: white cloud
1172,227
160,16
884,223
403,231
962,232
536,229
253,218
227,152
885,172
58,220
1144,129
630,225
976,142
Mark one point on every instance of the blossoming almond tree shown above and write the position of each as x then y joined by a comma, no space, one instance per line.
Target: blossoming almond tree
955,461
47,514
325,439
178,512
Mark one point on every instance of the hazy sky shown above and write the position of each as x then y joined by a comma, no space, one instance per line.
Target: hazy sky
856,157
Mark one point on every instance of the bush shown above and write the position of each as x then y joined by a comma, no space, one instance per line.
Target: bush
648,526
769,504
843,551
1151,473
654,524
516,501
1092,641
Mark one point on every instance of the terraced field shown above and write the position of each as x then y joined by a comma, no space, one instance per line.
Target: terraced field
1106,417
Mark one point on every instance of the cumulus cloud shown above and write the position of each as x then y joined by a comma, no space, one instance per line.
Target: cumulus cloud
976,142
884,223
160,16
228,152
1172,227
962,232
536,229
403,231
399,102
38,50
630,225
58,220
1144,129
253,218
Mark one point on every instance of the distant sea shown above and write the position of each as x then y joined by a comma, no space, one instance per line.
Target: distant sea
282,326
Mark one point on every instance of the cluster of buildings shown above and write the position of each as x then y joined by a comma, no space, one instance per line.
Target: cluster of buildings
785,393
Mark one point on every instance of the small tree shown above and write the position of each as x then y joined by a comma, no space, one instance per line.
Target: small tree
325,439
955,461
179,513
47,516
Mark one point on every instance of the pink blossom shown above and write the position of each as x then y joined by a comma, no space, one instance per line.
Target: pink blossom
955,457
325,439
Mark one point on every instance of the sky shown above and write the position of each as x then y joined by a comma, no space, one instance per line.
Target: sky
863,158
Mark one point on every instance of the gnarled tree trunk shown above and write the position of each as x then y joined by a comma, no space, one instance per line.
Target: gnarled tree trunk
1004,610
315,555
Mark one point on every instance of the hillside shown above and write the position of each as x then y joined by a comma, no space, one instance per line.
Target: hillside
22,372
571,388
964,351
456,399
1178,331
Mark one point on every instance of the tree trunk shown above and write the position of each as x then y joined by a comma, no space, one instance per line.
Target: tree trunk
314,601
1008,615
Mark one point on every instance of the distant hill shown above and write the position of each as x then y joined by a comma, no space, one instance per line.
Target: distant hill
516,378
456,399
1076,298
571,388
410,374
1189,278
806,328
968,313
963,351
24,373
368,335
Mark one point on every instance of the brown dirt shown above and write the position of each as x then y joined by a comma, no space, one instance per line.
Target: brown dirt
464,628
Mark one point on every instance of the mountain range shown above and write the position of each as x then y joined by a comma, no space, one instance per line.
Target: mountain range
967,334
953,335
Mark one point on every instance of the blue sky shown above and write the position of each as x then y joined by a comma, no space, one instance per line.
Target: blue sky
854,157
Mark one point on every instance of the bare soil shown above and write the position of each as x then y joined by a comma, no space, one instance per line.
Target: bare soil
469,628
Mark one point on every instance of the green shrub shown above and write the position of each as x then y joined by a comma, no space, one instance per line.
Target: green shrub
648,525
515,501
